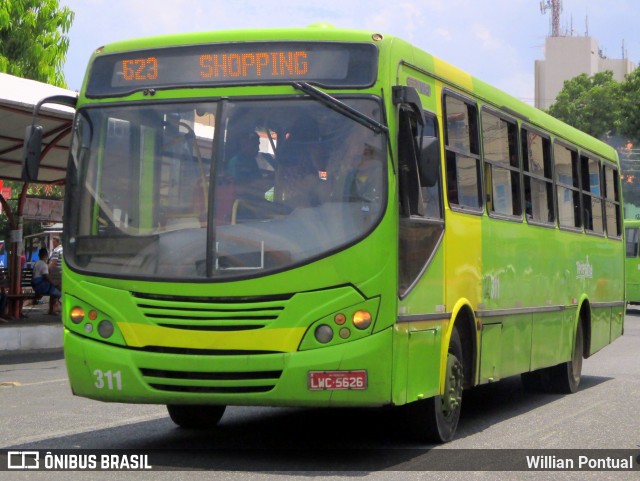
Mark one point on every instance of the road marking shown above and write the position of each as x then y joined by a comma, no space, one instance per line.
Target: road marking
89,429
10,384
19,384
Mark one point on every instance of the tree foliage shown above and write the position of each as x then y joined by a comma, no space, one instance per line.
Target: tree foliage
33,43
609,110
591,104
630,106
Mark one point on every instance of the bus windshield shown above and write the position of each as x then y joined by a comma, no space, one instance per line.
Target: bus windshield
226,188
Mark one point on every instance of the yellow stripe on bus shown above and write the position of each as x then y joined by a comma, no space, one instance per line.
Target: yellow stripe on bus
454,74
282,340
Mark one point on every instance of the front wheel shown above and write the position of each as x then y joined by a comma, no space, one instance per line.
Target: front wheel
436,419
195,416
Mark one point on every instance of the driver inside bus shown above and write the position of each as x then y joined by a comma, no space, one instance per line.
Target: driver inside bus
303,179
244,176
243,166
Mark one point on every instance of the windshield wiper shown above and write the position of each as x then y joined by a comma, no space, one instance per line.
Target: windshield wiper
340,107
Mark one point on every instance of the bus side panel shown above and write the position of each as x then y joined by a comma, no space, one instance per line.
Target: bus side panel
632,268
516,344
617,322
490,352
506,347
600,328
416,354
423,376
552,339
463,259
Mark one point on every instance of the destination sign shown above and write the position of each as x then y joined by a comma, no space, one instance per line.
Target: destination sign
325,64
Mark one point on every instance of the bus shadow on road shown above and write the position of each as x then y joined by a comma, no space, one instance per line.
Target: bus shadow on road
490,404
300,439
273,440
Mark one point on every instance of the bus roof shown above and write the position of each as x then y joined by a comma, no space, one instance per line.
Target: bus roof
400,49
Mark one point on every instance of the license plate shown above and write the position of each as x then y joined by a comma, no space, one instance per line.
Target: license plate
337,380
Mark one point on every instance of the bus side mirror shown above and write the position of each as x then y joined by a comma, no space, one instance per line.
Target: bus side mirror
33,137
32,152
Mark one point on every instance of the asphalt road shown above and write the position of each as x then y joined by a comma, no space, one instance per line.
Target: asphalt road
39,412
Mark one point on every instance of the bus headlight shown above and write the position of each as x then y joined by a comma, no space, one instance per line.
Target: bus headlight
347,324
77,314
105,329
362,319
323,333
91,322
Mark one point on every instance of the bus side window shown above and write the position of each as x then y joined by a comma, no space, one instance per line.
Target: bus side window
591,195
419,159
429,169
612,201
502,165
538,177
632,242
464,187
566,164
419,179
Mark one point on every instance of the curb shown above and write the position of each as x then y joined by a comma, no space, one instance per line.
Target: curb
30,338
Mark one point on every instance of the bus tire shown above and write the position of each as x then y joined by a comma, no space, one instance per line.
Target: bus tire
565,377
436,419
195,416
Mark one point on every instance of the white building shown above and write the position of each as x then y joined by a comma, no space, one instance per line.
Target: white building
568,57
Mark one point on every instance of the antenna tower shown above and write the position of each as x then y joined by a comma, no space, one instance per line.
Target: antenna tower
556,8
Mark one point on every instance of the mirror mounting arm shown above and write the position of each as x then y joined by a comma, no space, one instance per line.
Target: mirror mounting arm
402,95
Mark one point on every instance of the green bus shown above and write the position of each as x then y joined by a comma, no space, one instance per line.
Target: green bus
632,262
327,217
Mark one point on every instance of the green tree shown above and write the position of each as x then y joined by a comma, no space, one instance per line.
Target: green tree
630,108
591,104
33,43
607,109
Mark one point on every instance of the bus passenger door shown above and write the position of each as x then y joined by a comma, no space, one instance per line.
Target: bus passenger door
420,260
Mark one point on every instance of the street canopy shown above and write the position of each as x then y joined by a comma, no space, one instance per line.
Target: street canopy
18,97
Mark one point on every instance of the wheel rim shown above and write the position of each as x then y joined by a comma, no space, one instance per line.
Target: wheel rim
452,396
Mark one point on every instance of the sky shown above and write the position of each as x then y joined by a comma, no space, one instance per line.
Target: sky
497,41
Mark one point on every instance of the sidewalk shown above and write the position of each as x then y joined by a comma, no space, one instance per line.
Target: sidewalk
37,331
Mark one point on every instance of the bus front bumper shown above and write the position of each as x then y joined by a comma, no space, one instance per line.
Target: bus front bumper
118,374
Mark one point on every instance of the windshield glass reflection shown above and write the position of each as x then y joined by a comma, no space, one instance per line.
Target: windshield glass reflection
207,190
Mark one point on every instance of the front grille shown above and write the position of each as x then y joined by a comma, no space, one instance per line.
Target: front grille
211,382
211,313
187,351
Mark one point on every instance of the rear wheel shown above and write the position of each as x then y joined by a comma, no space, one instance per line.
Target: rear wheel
436,419
195,416
565,378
